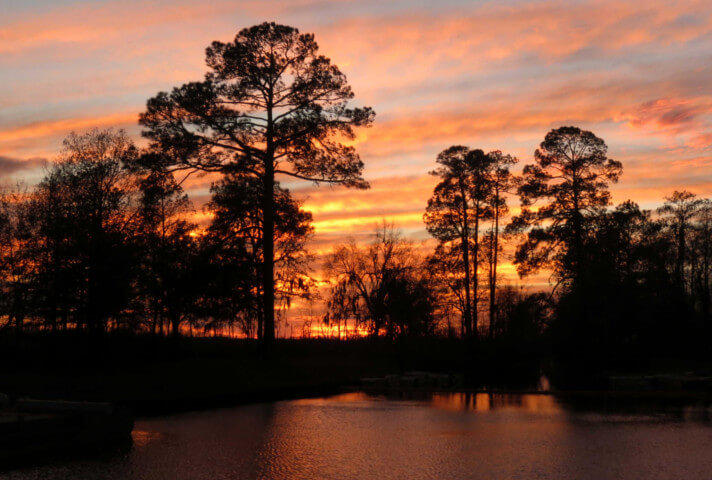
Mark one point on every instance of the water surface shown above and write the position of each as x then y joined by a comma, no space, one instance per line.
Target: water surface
434,436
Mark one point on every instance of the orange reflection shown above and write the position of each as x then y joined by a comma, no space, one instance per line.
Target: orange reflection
486,402
141,438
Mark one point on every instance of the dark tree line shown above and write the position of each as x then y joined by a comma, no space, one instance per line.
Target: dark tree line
105,242
626,281
102,241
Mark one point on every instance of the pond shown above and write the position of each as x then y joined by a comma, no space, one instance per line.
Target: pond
430,436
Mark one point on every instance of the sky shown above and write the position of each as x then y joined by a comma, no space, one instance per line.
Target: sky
486,74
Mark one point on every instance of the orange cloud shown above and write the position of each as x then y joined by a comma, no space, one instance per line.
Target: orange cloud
43,138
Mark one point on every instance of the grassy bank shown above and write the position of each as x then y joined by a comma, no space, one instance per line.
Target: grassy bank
159,375
156,375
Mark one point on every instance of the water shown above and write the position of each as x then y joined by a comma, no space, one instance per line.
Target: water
440,436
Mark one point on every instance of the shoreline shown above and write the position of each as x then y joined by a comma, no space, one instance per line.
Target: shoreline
155,377
149,410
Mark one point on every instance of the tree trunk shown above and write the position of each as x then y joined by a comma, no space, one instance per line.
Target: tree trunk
268,228
175,327
468,303
577,229
475,276
154,322
706,277
18,324
260,325
680,267
268,254
493,269
465,239
577,234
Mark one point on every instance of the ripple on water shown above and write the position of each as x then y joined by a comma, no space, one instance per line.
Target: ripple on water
445,435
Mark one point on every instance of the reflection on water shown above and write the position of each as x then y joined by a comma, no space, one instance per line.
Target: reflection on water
422,436
141,438
466,401
485,402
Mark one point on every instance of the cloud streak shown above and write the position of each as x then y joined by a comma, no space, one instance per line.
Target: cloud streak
9,165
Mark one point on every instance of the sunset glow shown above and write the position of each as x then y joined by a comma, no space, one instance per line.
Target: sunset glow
491,75
363,239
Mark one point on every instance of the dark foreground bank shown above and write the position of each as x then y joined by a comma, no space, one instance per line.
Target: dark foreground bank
143,376
39,431
155,375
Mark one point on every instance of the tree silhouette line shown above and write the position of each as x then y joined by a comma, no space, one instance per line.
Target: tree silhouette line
105,240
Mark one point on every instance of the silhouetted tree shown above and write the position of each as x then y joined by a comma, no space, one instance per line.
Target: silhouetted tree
235,239
702,258
16,263
523,316
460,201
381,285
167,250
562,195
270,105
47,239
90,222
571,175
502,182
679,209
625,260
445,265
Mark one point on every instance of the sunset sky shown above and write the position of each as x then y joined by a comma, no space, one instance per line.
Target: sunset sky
492,75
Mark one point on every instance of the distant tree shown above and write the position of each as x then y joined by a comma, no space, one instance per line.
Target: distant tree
46,239
16,264
702,255
571,176
630,296
679,209
460,202
85,217
235,240
411,305
445,266
502,183
381,286
524,316
270,105
167,250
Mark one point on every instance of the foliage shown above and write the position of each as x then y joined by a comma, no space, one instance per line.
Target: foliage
234,255
270,105
571,175
453,215
382,286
